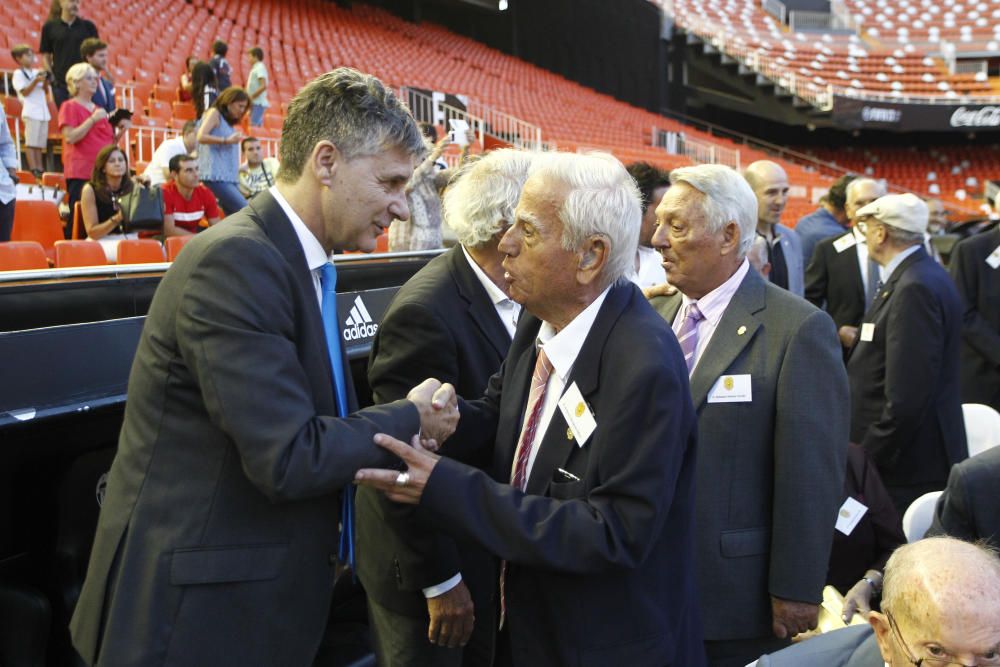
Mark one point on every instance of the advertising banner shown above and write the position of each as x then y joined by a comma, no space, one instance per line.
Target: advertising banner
854,114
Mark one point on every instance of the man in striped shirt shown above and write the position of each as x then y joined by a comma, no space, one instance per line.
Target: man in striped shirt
185,200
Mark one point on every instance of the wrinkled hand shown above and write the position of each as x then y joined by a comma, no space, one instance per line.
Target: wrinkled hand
847,335
420,463
452,617
666,289
438,407
790,618
858,601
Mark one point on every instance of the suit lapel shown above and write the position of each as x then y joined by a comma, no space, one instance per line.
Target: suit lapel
555,446
481,308
272,219
512,410
728,342
885,293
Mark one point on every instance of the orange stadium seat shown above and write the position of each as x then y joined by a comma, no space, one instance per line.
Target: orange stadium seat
38,221
22,256
173,244
140,251
53,179
184,110
79,253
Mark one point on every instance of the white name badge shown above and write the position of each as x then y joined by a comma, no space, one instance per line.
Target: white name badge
849,516
731,389
994,259
577,414
868,332
845,242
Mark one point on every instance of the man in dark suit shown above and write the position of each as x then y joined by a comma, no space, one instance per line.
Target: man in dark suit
217,541
940,606
452,321
771,465
592,435
770,187
969,508
905,405
975,267
841,277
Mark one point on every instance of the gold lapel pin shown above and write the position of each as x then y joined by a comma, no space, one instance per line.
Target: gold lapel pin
569,434
742,330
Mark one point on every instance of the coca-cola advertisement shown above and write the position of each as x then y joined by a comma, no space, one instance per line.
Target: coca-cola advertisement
853,113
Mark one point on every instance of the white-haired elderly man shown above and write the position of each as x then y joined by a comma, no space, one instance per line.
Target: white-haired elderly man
940,606
904,368
770,464
452,321
589,502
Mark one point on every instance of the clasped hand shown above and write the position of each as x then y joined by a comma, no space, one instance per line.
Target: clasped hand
438,407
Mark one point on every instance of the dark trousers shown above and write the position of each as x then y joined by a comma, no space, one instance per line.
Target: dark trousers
741,652
401,640
74,189
7,219
60,93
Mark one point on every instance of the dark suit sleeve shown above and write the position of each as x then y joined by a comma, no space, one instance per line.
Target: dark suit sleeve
913,360
236,330
976,331
413,344
810,457
640,445
952,514
817,277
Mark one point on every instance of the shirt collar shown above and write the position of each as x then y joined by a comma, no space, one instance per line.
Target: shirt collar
858,236
713,305
495,293
562,348
897,260
316,257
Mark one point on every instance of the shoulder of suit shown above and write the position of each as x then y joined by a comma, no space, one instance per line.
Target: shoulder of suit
785,309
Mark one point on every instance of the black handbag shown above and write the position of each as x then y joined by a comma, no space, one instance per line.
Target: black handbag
142,209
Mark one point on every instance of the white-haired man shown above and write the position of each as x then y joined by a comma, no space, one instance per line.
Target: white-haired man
940,606
760,361
906,406
452,321
591,430
769,183
841,277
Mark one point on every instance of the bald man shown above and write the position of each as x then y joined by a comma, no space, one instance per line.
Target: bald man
770,185
940,606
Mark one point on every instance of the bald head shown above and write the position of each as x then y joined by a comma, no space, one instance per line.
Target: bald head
944,592
769,183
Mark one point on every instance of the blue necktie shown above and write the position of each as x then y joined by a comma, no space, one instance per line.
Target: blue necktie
331,325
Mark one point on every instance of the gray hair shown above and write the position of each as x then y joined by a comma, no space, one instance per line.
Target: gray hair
602,199
858,182
903,237
728,198
481,197
757,254
75,74
352,110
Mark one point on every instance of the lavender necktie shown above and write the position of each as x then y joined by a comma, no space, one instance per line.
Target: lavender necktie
688,335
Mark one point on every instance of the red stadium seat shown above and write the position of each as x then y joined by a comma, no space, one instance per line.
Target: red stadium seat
38,221
174,244
140,251
22,256
79,253
184,110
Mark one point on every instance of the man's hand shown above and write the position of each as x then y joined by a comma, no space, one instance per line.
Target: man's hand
847,335
859,599
452,617
666,289
438,407
401,487
790,618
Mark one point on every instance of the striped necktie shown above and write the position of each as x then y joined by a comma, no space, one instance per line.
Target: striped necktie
688,335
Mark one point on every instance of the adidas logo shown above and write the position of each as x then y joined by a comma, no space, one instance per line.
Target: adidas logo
359,324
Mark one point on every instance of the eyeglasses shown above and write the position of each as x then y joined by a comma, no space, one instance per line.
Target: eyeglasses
862,226
993,658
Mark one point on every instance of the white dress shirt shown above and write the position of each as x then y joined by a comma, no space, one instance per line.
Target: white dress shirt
897,260
861,247
507,309
562,349
316,257
651,271
712,306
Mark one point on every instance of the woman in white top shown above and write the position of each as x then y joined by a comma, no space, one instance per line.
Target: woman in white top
102,215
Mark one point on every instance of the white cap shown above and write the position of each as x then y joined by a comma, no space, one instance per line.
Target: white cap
907,212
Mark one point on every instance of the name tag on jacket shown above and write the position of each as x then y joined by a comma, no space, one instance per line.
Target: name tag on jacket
994,259
731,389
577,414
845,242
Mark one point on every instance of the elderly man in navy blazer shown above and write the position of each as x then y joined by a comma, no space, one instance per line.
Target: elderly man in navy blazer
904,367
589,504
770,464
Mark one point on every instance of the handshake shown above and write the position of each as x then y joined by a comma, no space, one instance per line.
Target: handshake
438,408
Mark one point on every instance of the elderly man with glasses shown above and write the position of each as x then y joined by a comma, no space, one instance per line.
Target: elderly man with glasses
940,606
